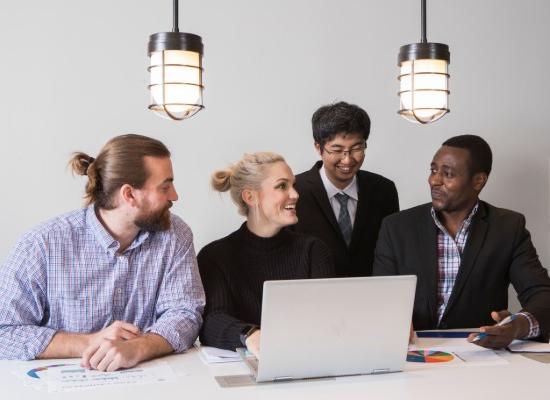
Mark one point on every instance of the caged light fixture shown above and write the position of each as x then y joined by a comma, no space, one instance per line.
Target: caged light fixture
175,72
424,78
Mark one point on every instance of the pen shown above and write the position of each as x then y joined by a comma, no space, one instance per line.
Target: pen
505,321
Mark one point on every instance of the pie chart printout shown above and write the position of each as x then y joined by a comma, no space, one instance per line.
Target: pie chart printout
429,356
35,372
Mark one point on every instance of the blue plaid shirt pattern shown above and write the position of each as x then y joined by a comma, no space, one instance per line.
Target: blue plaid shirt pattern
66,275
449,253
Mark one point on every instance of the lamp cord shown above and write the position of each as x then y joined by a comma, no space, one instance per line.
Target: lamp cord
176,15
423,17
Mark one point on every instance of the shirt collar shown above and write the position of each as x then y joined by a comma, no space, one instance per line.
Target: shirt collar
350,190
466,222
104,238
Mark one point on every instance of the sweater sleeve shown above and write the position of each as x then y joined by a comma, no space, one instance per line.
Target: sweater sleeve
220,329
321,261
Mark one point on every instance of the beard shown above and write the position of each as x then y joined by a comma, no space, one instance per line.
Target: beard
154,220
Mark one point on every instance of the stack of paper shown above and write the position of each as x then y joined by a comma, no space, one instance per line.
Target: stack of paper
528,346
212,355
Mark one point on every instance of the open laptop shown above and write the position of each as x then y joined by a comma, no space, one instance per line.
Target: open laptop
314,328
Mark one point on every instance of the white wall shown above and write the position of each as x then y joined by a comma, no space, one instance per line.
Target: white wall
74,75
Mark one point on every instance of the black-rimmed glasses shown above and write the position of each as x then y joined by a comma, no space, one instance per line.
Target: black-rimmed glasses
354,152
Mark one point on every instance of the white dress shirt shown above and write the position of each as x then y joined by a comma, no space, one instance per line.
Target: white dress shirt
350,190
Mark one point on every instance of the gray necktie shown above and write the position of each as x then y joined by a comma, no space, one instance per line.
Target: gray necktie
344,220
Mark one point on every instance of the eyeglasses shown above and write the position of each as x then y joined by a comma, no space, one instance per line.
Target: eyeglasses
355,152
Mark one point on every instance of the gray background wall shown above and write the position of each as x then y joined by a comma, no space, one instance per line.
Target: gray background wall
74,75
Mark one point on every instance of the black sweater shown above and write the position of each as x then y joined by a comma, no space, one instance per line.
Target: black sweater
233,270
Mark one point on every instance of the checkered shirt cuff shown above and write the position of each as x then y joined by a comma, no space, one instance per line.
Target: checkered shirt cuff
534,328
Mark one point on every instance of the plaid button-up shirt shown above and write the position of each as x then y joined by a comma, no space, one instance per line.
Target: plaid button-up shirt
449,258
67,275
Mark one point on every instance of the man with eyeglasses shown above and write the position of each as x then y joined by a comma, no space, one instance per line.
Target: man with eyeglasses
340,203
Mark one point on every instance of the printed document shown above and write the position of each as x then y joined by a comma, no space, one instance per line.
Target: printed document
65,377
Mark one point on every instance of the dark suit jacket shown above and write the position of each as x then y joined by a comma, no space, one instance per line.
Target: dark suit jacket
377,199
498,252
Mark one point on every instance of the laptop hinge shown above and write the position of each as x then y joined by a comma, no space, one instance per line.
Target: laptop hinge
381,371
282,378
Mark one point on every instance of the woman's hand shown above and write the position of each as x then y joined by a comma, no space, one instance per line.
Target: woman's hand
253,343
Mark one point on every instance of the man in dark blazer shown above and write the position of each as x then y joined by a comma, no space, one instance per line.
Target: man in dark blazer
466,252
340,133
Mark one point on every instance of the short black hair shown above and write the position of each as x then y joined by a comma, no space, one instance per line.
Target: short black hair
481,156
341,117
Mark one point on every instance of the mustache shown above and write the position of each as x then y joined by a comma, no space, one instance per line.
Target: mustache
437,192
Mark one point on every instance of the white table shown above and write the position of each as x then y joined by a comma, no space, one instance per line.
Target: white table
521,378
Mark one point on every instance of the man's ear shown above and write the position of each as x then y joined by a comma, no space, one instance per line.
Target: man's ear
250,197
318,148
480,179
128,195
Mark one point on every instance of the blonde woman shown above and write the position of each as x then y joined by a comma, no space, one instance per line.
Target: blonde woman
234,268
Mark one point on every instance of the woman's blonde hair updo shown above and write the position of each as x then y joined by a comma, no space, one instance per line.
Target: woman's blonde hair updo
248,173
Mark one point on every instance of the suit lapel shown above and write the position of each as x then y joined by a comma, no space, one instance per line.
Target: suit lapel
426,242
321,198
476,238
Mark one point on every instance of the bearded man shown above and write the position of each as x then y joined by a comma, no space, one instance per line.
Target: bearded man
114,283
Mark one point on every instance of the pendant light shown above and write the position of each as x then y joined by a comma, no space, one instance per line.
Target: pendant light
424,78
175,72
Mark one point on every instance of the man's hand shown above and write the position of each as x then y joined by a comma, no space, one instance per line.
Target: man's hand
110,355
69,345
253,343
118,330
108,349
501,336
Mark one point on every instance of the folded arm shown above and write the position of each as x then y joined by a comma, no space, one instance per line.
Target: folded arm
180,302
23,303
532,284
